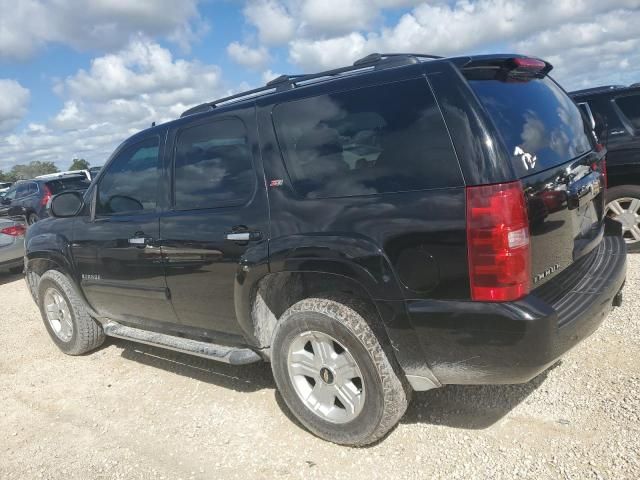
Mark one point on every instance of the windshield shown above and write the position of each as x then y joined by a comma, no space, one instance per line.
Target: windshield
539,123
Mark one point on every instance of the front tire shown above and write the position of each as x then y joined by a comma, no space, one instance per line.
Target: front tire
65,315
623,205
333,373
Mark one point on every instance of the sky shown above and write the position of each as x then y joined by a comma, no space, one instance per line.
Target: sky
77,77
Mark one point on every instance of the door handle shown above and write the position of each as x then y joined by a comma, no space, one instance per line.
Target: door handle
243,236
617,132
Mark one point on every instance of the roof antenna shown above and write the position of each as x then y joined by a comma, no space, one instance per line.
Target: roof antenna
153,124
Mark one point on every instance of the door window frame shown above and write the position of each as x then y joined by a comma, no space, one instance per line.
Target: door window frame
175,136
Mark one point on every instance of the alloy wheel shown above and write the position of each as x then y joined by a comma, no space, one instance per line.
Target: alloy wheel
326,377
58,314
626,210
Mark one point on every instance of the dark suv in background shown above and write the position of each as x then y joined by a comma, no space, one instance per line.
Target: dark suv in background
615,110
29,198
400,224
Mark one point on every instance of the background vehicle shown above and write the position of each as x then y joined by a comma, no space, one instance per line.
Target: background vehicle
616,113
93,171
390,226
29,198
11,245
67,173
4,186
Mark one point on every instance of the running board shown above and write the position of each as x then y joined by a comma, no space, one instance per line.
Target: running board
220,353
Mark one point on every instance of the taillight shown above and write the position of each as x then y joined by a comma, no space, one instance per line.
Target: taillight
46,197
498,242
15,231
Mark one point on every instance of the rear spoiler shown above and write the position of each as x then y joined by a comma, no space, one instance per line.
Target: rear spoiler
504,67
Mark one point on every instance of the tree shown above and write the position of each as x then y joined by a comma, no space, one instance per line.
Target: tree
79,164
33,169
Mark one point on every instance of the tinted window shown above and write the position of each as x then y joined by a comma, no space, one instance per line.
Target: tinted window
213,165
388,138
130,183
66,184
22,190
630,106
11,193
539,123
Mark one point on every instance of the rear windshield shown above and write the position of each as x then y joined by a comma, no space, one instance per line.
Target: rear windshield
539,123
65,184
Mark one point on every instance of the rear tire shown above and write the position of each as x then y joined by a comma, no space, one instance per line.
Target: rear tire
350,393
623,204
65,315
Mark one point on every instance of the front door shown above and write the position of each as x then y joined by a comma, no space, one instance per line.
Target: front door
116,247
217,220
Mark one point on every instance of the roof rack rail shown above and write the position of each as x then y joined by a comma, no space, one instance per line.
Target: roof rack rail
285,82
407,57
603,88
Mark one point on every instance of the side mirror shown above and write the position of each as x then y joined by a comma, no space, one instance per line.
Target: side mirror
6,201
66,204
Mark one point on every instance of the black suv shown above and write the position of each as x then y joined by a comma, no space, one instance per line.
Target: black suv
395,225
29,198
615,113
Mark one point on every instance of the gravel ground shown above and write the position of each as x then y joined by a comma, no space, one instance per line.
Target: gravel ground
130,411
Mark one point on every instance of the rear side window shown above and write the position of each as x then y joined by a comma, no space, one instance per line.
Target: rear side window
66,184
539,123
630,106
213,165
387,138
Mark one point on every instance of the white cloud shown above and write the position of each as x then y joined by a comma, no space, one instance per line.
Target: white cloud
268,75
27,25
314,55
579,37
337,16
274,23
253,58
14,99
120,94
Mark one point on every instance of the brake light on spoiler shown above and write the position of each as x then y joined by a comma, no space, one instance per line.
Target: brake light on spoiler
526,68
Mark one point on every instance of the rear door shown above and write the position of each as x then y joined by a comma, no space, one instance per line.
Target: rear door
217,223
551,152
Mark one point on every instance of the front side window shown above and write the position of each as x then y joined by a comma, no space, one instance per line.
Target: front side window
386,138
630,106
130,184
213,165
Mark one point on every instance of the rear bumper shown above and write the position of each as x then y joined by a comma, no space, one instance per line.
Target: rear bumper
12,255
490,343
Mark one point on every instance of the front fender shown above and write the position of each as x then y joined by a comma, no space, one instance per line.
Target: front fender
47,241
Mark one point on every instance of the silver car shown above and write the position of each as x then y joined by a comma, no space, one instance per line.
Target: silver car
11,245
